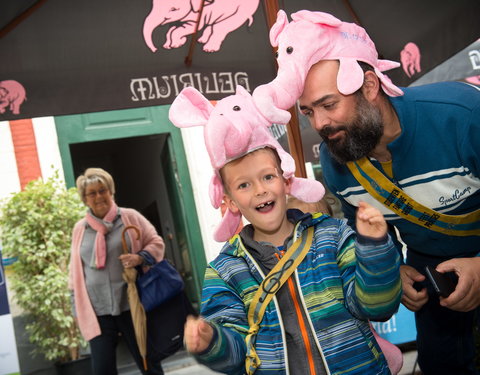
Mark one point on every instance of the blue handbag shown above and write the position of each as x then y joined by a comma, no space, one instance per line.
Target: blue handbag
159,284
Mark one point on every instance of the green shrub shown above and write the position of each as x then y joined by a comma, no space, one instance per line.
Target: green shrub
36,226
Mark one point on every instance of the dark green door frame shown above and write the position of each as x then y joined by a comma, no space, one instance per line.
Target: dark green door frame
133,123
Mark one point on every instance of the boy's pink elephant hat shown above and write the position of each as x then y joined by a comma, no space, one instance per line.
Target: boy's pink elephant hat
233,128
310,38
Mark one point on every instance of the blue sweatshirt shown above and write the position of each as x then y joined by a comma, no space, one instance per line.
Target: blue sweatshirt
435,160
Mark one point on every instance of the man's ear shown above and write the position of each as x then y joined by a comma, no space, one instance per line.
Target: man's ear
371,85
230,203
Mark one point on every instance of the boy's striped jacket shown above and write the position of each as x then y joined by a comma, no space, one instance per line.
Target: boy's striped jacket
344,282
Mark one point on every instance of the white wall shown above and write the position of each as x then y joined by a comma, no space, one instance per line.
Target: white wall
10,183
47,146
201,172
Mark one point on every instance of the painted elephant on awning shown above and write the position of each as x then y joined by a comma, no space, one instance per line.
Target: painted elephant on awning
219,18
12,95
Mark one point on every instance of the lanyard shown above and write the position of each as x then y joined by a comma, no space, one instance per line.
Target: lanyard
267,289
394,198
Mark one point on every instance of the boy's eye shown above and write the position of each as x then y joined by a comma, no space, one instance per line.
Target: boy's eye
242,186
269,177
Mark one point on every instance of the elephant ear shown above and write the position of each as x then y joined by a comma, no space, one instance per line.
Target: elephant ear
306,189
316,17
278,27
350,76
242,91
190,108
387,85
215,191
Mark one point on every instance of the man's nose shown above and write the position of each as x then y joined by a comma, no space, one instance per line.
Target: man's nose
319,121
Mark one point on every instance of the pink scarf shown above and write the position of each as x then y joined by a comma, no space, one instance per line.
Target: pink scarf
102,227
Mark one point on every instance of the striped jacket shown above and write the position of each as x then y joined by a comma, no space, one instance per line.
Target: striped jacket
343,282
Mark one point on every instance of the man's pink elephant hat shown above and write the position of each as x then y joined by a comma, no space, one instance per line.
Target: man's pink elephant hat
310,38
233,128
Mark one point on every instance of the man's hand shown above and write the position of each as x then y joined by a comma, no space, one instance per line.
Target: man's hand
198,334
370,221
412,299
466,296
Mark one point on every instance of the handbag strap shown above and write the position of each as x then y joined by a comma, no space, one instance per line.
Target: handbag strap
394,198
267,289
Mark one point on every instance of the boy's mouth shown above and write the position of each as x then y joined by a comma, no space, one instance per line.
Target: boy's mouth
265,207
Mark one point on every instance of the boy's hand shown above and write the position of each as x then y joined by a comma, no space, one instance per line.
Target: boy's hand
198,334
370,221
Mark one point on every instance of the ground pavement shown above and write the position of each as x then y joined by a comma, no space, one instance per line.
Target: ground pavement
182,363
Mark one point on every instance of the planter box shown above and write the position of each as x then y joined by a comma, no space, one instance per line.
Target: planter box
80,366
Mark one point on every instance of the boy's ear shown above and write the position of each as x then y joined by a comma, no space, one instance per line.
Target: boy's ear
288,185
231,205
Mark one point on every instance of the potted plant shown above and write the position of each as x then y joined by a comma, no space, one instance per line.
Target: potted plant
36,226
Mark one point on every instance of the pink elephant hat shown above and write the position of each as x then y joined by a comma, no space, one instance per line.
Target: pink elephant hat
233,128
310,38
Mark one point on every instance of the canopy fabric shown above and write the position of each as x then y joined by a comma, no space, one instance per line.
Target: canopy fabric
71,57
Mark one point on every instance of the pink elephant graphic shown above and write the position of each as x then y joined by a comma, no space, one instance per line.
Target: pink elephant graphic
410,58
12,95
219,18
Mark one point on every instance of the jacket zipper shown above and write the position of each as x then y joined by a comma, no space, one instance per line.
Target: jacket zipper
301,321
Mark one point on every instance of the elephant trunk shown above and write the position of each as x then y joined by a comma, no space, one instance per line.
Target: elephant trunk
151,22
281,93
276,97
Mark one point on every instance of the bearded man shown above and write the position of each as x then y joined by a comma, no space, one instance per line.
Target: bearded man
416,157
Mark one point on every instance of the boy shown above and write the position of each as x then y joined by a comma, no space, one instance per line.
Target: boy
317,322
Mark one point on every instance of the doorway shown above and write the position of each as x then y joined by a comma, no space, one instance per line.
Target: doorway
136,167
144,154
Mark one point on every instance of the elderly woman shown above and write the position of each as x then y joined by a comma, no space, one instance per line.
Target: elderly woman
99,291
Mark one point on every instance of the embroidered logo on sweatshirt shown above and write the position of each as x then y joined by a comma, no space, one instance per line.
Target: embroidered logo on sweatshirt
456,196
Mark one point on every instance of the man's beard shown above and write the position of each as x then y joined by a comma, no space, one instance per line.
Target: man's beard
360,137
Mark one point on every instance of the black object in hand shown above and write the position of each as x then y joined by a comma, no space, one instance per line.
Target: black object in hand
443,283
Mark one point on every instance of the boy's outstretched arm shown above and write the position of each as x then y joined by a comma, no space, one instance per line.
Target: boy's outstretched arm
198,335
370,221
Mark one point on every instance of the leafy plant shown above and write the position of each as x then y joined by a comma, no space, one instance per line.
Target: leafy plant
36,226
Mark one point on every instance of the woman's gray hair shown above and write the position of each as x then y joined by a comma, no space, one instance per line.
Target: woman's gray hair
93,175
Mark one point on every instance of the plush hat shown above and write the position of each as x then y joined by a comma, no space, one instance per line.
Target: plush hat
310,38
233,128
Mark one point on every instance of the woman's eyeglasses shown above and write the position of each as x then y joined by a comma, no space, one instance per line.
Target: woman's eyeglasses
93,194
